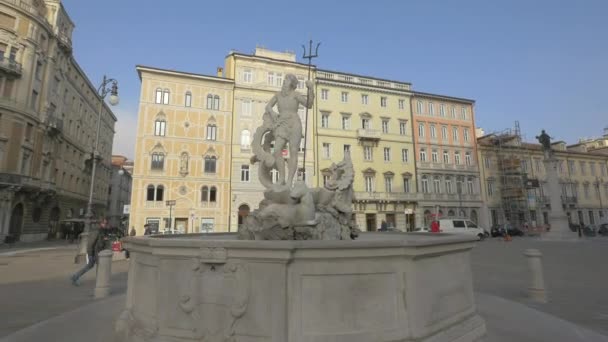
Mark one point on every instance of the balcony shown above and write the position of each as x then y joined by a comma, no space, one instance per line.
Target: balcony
54,125
387,196
64,40
10,66
368,134
569,200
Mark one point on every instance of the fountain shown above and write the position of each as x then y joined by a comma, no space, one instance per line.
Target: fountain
299,269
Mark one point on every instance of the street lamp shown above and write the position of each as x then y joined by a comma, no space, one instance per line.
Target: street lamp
103,90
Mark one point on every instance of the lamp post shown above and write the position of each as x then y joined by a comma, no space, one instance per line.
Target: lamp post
102,91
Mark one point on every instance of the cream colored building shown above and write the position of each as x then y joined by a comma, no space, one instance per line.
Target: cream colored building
257,77
182,152
369,118
514,181
48,121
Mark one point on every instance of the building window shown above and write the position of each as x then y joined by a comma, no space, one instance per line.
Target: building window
216,102
369,183
383,101
344,96
270,80
586,190
247,76
188,99
442,110
160,127
364,99
365,123
210,101
160,191
401,104
345,121
388,183
210,164
245,139
387,154
406,185
159,96
433,132
444,133
301,82
434,156
604,170
421,130
457,158
205,194
158,161
166,96
274,175
437,185
455,134
524,165
246,107
467,158
213,194
211,132
463,113
537,164
419,107
384,126
325,180
582,165
325,120
422,155
453,112
28,132
150,193
25,163
244,173
592,168
367,153
425,184
279,80
490,186
34,101
448,185
403,127
346,150
446,157
486,162
324,94
326,150
431,109
465,134
470,186
405,155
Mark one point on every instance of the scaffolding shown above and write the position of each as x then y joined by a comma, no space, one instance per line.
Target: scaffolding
513,178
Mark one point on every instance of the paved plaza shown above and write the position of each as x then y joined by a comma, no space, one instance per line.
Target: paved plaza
575,276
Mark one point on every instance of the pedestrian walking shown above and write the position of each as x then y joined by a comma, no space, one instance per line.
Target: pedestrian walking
147,230
95,244
383,226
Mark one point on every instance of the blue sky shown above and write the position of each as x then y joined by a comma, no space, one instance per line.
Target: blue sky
544,63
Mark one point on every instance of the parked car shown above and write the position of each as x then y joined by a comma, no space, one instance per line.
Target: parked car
603,229
589,231
461,226
499,231
574,227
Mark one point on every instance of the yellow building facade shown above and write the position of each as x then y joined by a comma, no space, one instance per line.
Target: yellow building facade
257,77
181,176
369,118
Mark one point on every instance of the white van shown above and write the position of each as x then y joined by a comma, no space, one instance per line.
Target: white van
460,226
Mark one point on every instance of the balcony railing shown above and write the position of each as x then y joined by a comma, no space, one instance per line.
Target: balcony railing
569,200
393,196
368,134
362,80
10,66
64,40
54,125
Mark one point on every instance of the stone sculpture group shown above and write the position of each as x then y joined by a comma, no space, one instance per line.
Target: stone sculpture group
290,210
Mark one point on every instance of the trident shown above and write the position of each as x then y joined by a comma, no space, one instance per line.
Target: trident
308,56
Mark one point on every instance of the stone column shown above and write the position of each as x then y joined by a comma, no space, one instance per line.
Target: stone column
104,274
560,230
536,290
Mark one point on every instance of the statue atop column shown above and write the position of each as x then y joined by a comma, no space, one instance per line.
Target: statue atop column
290,210
545,140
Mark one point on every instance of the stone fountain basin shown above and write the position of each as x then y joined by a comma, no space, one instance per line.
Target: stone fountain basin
380,287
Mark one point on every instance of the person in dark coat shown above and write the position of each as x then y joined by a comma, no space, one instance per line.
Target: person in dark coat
383,226
147,230
96,243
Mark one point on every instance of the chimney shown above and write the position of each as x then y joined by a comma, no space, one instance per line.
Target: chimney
220,72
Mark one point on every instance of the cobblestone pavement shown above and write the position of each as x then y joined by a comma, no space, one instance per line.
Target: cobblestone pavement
35,286
576,276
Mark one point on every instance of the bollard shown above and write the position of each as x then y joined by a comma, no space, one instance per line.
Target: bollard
82,248
104,273
536,290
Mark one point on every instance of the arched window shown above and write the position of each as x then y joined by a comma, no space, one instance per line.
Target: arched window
209,101
216,102
213,194
243,212
159,96
451,213
160,192
166,96
211,132
245,139
158,161
150,193
210,162
160,127
204,194
188,99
